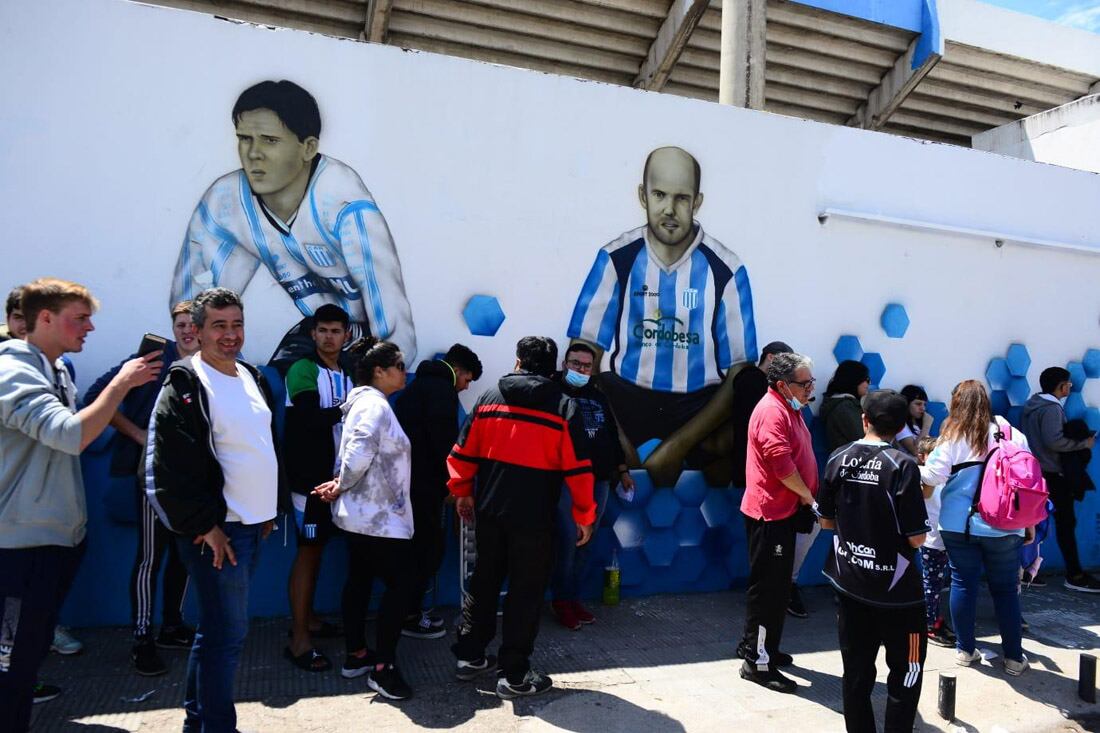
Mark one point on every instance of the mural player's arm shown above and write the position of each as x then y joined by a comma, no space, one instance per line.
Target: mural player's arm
373,265
211,255
734,334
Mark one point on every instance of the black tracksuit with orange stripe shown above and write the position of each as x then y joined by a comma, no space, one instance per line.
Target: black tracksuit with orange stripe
522,440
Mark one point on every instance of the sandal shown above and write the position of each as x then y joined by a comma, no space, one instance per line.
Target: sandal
310,660
324,631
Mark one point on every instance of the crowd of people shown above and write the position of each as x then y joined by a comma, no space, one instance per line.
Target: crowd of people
374,458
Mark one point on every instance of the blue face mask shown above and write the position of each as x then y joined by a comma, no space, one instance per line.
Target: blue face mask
575,379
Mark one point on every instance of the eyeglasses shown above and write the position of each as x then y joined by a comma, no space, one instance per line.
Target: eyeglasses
578,365
805,384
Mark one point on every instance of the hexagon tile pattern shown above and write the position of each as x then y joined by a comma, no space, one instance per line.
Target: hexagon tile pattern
1077,375
876,366
1091,362
848,348
1018,360
997,373
894,320
483,315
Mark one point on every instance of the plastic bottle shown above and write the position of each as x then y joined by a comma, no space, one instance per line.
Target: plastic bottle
612,579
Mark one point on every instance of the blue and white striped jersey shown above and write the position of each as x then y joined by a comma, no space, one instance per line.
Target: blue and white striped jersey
670,329
336,249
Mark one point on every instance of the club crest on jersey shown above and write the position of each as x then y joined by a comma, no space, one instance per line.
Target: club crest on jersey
320,255
690,298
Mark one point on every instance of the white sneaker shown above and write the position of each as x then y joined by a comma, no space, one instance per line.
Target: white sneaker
1015,668
965,659
64,643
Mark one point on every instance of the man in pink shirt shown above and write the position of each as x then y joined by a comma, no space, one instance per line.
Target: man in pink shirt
780,477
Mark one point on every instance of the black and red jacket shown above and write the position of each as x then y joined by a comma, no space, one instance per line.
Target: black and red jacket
521,441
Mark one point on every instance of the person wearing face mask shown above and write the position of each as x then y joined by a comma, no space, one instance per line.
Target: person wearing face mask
608,468
781,476
1043,423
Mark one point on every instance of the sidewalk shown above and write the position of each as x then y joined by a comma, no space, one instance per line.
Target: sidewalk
653,665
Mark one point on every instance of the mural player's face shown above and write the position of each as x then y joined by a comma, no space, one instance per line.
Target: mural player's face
272,156
222,334
668,195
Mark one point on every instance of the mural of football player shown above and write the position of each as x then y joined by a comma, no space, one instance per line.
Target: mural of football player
673,308
305,216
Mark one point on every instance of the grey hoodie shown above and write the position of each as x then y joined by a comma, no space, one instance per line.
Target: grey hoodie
41,487
1042,422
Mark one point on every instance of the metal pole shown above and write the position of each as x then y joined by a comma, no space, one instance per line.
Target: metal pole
947,695
732,12
1086,679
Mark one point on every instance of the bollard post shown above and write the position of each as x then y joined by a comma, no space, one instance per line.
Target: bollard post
1086,678
947,695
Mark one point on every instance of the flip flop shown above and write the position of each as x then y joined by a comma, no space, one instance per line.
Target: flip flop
310,660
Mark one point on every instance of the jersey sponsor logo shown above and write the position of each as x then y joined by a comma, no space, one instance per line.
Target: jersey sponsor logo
690,298
311,284
861,550
665,329
645,292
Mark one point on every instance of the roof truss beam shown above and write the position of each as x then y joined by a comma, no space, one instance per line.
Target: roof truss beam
671,39
377,23
898,83
743,55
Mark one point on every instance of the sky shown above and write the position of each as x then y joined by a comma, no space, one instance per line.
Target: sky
1084,14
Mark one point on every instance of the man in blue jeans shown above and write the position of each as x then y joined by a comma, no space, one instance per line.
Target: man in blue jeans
608,468
212,475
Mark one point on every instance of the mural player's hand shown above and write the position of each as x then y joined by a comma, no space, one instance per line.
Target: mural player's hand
625,487
665,464
140,370
328,491
584,533
464,505
219,543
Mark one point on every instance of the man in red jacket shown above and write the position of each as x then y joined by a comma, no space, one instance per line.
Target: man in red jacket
781,476
522,439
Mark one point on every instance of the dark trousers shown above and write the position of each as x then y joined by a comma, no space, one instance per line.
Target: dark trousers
525,557
1065,521
428,545
391,560
771,561
33,584
154,540
863,629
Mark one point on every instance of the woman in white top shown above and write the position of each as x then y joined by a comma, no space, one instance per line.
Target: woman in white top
371,503
918,424
955,463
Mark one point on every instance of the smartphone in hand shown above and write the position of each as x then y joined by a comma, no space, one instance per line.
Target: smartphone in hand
150,342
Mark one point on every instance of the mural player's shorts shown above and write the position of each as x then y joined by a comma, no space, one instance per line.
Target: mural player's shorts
313,519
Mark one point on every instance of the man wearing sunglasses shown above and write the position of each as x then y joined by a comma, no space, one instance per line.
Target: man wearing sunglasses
781,476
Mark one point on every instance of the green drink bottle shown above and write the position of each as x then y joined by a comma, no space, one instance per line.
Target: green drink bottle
612,578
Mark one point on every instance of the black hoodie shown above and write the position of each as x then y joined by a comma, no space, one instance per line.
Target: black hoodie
428,412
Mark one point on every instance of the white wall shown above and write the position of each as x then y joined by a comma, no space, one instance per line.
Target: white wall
503,181
1068,135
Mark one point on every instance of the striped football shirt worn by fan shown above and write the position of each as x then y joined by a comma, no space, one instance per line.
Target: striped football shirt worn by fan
675,328
336,248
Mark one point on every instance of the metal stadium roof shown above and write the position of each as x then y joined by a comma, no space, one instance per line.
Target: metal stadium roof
906,70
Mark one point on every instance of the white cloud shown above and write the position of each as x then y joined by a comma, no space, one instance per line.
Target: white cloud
1084,15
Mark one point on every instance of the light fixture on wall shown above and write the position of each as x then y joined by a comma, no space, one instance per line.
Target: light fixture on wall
997,238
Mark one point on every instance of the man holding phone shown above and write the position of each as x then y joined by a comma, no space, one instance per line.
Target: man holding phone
130,422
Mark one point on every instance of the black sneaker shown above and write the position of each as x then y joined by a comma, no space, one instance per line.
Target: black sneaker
357,666
469,670
420,627
436,622
795,606
1034,581
534,683
389,683
1083,583
176,637
942,636
146,660
782,659
44,692
771,679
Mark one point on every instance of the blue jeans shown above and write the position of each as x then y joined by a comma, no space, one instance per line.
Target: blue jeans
571,561
1000,556
223,625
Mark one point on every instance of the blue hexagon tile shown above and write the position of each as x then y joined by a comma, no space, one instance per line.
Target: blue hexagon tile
1075,406
848,348
938,411
663,509
691,488
688,564
690,527
483,315
1091,363
997,374
998,400
630,528
876,366
1018,360
894,320
646,448
717,508
660,546
1018,391
1092,418
632,566
1077,375
1015,416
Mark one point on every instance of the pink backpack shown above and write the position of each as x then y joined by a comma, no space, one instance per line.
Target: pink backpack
1011,491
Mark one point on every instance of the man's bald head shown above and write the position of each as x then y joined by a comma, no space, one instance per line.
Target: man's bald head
671,158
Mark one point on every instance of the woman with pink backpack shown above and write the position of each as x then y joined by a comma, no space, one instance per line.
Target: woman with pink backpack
992,488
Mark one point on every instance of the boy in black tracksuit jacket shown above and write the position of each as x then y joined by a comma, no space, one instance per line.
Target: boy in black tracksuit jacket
523,438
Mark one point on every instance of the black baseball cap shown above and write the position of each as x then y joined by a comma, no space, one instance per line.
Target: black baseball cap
886,410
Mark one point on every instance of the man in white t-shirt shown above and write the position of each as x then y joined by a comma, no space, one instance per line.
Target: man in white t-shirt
212,475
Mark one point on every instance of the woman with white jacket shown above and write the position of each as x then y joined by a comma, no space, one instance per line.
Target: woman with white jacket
956,464
371,503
